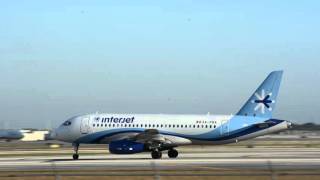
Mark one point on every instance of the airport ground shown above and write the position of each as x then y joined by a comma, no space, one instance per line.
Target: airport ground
263,158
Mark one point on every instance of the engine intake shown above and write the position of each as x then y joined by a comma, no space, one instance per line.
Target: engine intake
126,147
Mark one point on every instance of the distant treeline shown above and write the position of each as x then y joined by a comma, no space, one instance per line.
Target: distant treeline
306,127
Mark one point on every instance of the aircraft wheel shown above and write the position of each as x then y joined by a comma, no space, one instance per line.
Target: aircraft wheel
156,154
172,153
75,149
75,156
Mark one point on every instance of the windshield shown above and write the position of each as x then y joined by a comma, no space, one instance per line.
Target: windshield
67,123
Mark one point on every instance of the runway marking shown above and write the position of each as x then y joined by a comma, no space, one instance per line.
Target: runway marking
162,161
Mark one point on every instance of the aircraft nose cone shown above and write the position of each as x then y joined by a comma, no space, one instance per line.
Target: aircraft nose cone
57,134
289,124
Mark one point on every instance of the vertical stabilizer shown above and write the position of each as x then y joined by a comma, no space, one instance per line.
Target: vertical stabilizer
264,99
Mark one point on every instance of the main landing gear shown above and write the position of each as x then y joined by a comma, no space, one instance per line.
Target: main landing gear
172,153
75,156
157,154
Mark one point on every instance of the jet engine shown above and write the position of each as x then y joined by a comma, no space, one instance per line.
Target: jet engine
126,147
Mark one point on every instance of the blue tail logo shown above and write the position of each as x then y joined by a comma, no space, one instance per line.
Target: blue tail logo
263,101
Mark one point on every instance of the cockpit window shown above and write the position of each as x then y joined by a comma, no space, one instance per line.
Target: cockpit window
67,123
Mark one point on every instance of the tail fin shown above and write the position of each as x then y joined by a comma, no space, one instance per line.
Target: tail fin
263,101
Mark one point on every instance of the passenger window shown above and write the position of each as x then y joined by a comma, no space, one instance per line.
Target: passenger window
214,126
94,125
177,126
97,125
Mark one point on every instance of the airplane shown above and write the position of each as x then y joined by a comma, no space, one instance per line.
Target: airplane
155,133
10,135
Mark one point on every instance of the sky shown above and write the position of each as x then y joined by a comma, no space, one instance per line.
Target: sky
64,58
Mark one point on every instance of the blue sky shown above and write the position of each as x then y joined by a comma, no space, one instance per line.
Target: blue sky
63,58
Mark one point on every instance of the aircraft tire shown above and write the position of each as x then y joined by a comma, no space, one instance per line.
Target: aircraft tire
75,156
156,154
172,153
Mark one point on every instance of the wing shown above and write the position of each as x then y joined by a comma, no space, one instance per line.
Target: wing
154,139
149,135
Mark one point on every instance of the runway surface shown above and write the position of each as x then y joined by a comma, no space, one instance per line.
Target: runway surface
231,158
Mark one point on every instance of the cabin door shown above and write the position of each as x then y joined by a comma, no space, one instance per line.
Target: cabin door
85,125
224,130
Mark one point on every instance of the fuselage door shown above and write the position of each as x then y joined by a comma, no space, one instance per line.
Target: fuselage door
85,125
224,130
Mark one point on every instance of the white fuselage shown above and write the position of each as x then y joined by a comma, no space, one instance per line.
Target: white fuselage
177,129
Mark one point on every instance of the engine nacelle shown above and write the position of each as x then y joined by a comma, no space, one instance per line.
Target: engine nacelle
126,147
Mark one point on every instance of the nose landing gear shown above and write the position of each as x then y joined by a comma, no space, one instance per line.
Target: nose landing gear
75,156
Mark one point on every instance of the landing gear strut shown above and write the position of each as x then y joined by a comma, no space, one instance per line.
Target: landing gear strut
156,154
172,153
75,156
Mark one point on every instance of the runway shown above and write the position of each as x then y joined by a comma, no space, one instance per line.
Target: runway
229,158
